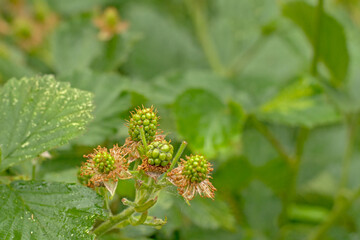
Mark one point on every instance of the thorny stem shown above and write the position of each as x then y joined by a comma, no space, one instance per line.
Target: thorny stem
196,11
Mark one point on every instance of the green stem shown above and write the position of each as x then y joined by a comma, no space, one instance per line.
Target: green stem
340,207
351,132
113,221
196,10
341,204
291,191
177,156
316,54
143,139
272,139
243,60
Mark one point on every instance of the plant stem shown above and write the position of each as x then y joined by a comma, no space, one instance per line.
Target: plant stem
272,139
319,13
351,132
113,221
241,61
142,134
340,207
291,191
196,10
341,204
177,156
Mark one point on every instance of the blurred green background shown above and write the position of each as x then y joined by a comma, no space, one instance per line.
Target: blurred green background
267,90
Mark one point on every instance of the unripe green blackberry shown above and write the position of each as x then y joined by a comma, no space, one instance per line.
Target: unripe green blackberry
83,176
104,162
196,168
145,118
160,153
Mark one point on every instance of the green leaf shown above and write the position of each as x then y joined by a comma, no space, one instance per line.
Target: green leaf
208,214
40,210
74,7
261,208
38,114
178,49
110,102
333,49
205,122
74,46
300,104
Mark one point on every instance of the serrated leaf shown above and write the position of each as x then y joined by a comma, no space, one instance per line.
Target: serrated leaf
40,210
333,49
300,104
205,122
109,99
38,114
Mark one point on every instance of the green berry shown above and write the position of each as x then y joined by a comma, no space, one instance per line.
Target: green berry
145,118
160,152
196,168
104,162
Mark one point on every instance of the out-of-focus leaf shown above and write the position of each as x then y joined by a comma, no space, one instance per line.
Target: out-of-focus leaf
169,86
235,174
38,114
300,104
116,51
321,163
276,174
12,63
261,208
109,100
332,40
206,234
159,31
74,7
40,210
205,122
236,24
74,46
208,214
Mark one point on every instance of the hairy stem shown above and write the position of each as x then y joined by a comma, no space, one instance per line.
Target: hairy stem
196,11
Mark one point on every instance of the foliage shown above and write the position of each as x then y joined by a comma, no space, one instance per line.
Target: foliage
265,90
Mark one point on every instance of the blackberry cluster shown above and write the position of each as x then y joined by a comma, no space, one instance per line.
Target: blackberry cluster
145,118
196,168
104,162
160,153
